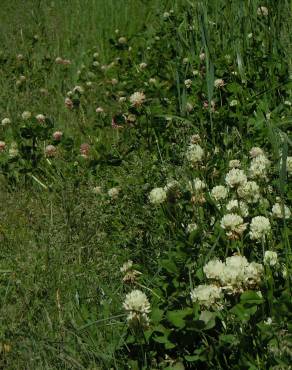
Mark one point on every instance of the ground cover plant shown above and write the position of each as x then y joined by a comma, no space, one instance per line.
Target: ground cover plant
145,158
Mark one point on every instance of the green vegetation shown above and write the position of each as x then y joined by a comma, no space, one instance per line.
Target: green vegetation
145,160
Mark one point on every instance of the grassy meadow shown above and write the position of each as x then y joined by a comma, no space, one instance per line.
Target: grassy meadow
145,178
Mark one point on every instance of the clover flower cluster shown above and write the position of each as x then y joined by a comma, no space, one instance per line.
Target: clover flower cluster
234,275
137,307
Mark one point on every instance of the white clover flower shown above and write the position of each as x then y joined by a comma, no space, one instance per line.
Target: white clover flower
78,89
207,296
270,258
262,11
255,152
189,107
152,80
233,103
233,224
198,185
195,72
137,99
113,193
277,211
214,269
188,83
260,227
50,151
26,115
253,274
269,321
219,83
289,165
259,167
99,110
202,56
5,121
40,117
240,207
191,227
138,307
143,65
235,177
194,153
157,196
166,15
219,192
249,191
126,266
122,40
234,163
97,190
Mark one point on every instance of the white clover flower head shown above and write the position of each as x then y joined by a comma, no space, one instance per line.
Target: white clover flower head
214,269
208,296
114,192
95,64
96,55
259,167
234,163
5,121
97,190
188,83
137,99
219,192
195,72
78,89
218,83
99,110
122,40
280,211
270,258
253,274
122,99
138,307
260,227
289,165
69,103
249,191
198,185
40,117
157,196
269,321
191,227
152,80
166,15
240,207
262,11
255,152
57,135
194,154
143,65
202,56
126,266
233,224
50,151
26,115
189,107
235,177
185,60
2,146
233,103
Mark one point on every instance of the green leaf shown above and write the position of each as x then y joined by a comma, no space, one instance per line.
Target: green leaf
177,317
208,318
156,315
251,297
